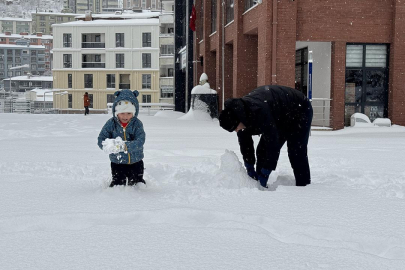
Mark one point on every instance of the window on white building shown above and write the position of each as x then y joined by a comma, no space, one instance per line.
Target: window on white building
146,81
146,60
110,80
119,60
146,40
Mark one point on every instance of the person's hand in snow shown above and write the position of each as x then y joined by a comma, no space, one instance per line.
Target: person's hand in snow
113,146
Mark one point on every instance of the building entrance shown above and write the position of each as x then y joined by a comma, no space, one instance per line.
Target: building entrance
366,89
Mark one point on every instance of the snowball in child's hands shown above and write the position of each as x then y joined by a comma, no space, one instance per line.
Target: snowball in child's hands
113,146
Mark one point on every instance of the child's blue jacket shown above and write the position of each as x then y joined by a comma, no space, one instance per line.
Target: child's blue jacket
133,134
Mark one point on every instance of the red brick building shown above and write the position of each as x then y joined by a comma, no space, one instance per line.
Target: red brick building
358,49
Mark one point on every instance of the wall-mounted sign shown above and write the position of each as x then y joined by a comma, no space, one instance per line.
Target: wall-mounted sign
183,59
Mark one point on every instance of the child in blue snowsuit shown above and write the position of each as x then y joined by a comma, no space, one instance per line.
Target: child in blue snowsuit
124,131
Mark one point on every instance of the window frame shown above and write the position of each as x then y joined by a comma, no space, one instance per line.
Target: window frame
110,81
119,60
146,81
146,39
146,60
88,81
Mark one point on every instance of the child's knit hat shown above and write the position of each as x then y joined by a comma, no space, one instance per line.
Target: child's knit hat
124,106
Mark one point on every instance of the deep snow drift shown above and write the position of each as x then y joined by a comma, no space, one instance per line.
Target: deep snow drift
199,210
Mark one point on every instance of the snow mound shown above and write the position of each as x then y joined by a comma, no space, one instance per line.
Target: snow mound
232,173
169,114
207,177
196,115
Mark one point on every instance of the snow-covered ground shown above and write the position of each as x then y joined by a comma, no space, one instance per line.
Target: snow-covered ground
199,210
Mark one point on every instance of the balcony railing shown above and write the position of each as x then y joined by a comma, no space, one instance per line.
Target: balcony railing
124,86
92,45
93,65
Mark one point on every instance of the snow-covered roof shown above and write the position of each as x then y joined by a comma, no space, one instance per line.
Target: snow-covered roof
15,19
201,89
39,94
21,46
55,13
110,22
26,36
32,78
125,15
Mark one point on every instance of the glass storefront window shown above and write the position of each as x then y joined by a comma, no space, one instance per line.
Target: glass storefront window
366,89
375,86
354,82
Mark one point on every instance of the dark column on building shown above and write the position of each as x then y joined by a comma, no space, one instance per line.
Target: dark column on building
396,95
338,67
182,33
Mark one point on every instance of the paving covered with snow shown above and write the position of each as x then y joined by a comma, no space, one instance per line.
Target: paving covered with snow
199,210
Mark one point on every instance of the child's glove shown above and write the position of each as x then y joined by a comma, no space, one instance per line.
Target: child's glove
263,177
250,169
113,146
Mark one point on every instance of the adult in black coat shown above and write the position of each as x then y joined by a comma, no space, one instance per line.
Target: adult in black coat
278,114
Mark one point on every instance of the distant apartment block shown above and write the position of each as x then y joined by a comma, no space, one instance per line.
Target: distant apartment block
27,83
153,5
43,21
95,6
103,56
38,39
15,25
20,59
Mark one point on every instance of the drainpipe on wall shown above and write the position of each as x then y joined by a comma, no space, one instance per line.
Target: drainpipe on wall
187,50
223,55
274,48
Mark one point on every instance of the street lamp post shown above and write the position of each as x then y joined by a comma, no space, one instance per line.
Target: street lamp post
45,96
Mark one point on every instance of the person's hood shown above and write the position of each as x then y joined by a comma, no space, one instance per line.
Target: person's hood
237,107
127,95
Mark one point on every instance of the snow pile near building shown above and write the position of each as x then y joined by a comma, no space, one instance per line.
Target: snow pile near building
196,115
169,114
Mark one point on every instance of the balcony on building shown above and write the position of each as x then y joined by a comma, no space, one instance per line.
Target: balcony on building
166,57
93,41
93,61
124,82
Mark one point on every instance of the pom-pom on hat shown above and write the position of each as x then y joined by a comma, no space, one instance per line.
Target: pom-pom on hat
124,106
228,121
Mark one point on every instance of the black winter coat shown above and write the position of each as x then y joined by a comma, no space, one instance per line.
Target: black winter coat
273,112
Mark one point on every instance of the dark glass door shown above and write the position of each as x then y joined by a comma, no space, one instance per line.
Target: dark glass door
366,88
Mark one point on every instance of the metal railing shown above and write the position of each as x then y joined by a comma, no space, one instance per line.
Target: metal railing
93,65
124,86
321,107
91,45
150,108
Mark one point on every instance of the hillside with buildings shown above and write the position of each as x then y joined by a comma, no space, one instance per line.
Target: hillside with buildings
23,8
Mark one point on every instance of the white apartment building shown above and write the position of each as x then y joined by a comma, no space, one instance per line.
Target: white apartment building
166,18
104,56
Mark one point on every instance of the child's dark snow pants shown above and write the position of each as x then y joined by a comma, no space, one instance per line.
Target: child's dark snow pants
120,173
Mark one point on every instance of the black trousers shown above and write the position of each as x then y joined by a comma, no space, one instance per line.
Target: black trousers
297,142
86,110
120,173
